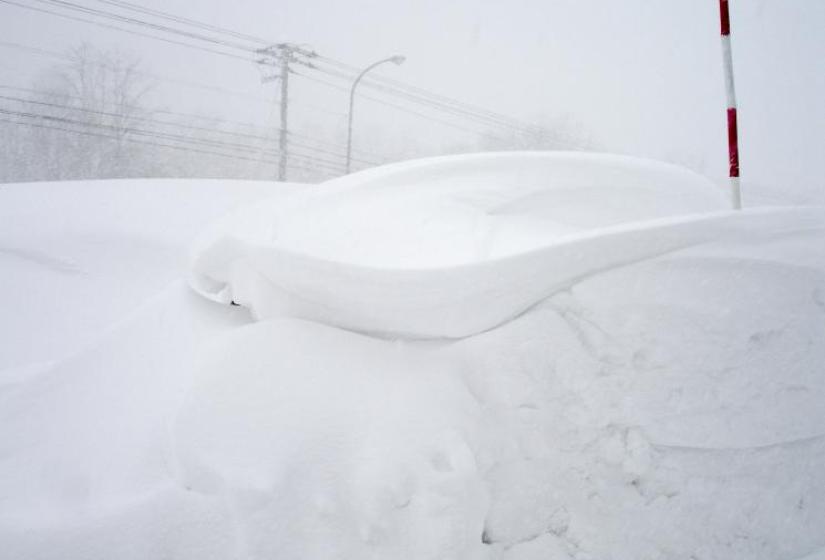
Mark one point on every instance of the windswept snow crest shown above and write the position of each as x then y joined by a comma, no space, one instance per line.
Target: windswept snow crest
454,246
456,210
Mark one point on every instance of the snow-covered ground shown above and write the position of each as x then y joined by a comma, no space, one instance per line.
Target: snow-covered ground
78,256
515,357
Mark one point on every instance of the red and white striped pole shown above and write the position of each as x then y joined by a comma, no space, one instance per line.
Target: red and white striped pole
733,135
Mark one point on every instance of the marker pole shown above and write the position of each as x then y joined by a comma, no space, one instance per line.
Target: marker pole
730,90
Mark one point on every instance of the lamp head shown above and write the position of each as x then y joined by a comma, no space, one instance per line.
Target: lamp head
398,59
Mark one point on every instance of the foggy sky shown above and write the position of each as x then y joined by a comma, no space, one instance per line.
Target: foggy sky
637,76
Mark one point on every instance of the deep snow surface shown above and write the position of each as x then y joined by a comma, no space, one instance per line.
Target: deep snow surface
652,390
78,256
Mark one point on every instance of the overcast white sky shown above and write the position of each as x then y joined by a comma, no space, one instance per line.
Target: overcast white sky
639,76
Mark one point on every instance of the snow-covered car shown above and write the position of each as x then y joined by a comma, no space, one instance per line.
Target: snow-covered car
516,356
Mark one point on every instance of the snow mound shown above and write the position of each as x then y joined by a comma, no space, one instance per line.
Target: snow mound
635,415
456,210
645,387
454,246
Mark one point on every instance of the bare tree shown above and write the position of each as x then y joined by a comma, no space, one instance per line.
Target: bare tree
75,123
90,118
104,92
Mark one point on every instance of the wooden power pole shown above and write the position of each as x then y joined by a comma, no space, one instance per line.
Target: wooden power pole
281,56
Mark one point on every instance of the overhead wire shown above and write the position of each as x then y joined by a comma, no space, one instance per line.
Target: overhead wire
436,97
403,109
130,31
131,140
304,137
451,109
168,136
53,54
320,64
160,78
453,104
180,125
391,87
142,23
186,21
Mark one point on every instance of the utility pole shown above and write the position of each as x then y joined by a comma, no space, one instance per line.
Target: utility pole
281,56
282,141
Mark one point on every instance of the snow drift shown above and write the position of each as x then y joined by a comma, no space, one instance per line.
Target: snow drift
453,246
638,381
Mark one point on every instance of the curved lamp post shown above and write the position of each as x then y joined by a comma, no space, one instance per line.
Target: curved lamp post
397,59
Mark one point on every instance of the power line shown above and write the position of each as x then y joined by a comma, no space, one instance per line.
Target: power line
60,56
408,110
391,87
185,21
160,78
452,108
402,108
299,143
142,23
176,125
425,93
342,147
130,31
142,142
131,140
397,84
168,136
315,63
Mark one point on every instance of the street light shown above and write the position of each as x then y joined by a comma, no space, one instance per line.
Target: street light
397,59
